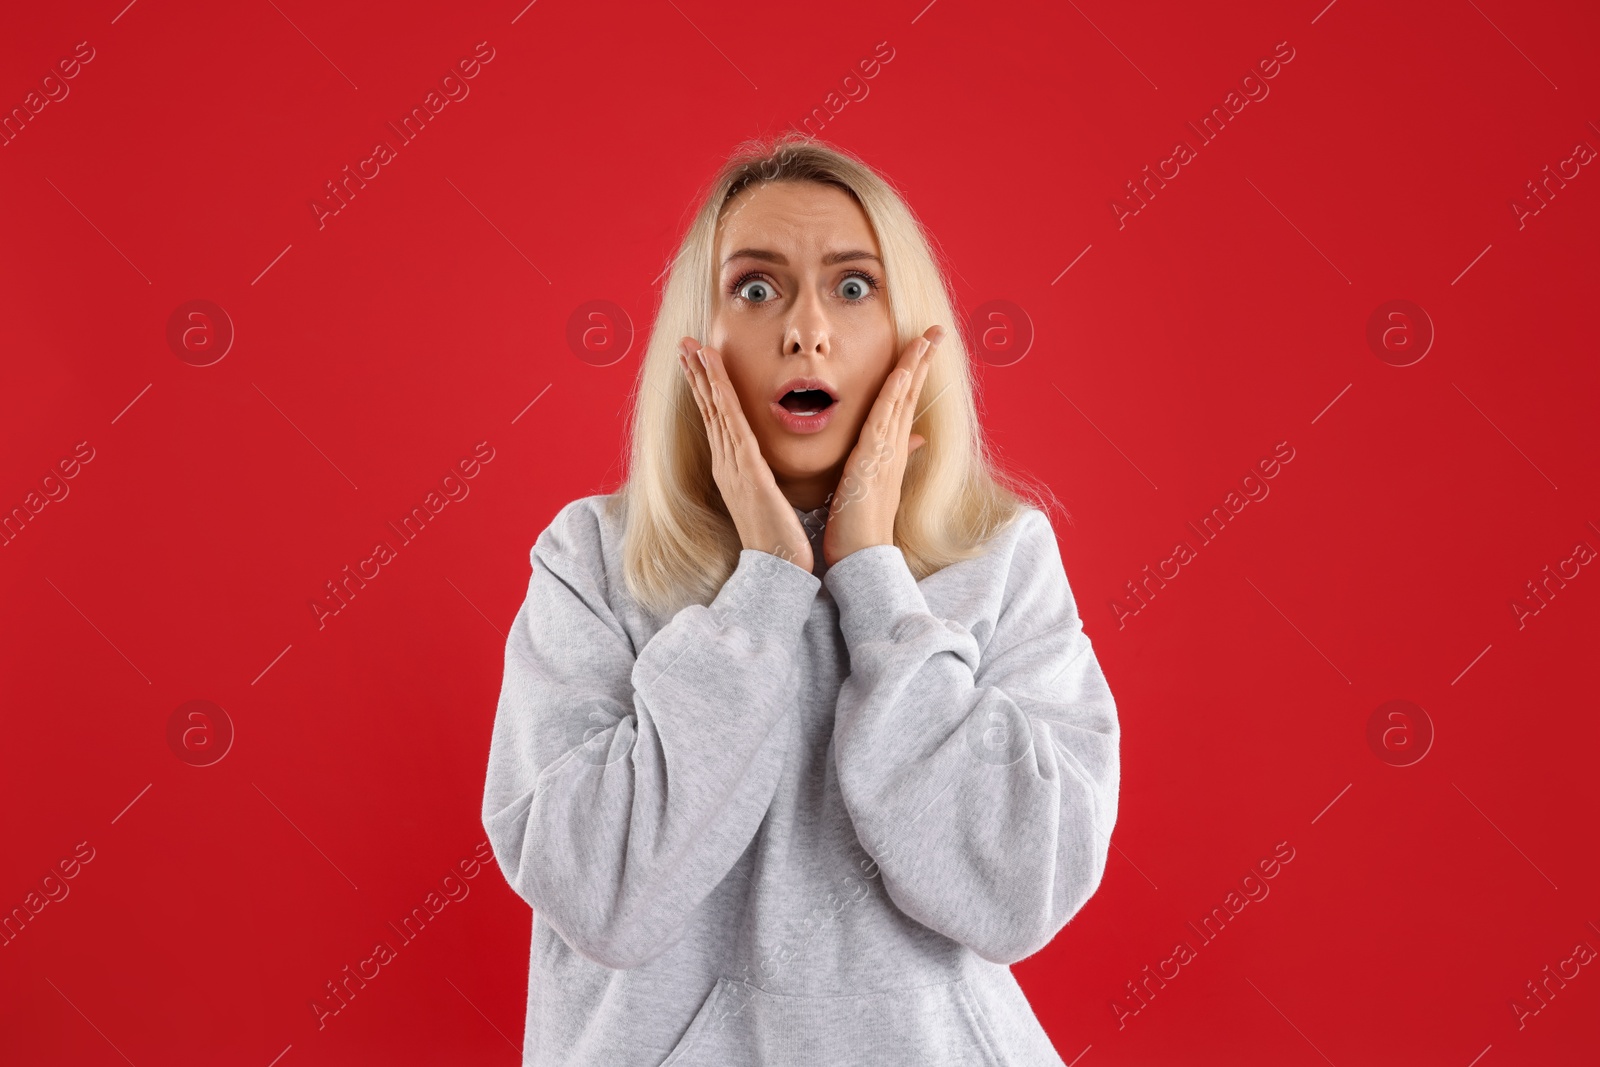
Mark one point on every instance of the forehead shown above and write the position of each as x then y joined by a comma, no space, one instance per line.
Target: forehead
804,219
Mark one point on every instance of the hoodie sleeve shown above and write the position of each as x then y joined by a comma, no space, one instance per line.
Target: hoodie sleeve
621,789
983,785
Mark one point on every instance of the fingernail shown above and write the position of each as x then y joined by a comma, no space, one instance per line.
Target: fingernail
702,354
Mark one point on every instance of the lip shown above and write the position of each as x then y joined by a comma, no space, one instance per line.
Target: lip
804,423
805,383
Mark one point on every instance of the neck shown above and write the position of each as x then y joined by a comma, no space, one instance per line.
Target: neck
811,492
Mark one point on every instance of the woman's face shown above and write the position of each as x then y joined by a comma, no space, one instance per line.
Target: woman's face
801,305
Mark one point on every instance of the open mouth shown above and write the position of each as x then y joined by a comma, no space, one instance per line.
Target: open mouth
805,405
806,402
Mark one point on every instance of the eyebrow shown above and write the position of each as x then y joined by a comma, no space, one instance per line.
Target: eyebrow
827,261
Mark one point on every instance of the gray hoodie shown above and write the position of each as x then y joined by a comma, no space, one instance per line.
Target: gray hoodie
812,822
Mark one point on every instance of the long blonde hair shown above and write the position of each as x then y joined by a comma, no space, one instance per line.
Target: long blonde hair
680,544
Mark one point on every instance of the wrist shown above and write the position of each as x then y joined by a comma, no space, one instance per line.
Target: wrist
773,546
841,550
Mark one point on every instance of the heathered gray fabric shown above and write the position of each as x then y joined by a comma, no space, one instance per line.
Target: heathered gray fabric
811,823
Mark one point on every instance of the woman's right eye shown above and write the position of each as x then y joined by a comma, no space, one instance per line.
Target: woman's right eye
754,290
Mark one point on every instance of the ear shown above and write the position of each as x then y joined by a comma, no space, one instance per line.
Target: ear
914,442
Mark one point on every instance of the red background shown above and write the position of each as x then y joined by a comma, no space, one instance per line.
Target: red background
375,352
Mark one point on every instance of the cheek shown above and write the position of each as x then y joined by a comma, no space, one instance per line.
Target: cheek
866,386
750,400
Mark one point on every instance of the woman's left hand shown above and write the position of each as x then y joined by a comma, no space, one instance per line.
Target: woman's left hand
862,510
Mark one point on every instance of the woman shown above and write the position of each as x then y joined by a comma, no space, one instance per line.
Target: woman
800,742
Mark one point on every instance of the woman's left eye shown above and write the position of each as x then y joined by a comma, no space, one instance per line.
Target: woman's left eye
858,286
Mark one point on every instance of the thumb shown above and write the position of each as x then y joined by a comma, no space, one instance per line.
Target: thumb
914,442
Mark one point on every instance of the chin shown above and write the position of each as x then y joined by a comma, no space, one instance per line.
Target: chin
793,463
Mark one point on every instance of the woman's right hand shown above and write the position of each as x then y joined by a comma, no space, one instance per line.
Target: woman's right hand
765,519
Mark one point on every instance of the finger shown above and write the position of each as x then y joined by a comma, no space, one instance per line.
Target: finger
694,388
914,394
913,352
710,404
934,336
881,420
919,356
725,408
732,411
688,372
898,425
715,429
718,375
688,377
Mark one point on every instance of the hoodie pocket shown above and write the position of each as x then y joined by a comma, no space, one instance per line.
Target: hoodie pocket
927,1026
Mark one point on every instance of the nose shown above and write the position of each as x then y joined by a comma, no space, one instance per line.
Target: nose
807,331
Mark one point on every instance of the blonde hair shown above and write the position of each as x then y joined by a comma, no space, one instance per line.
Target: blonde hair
680,544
